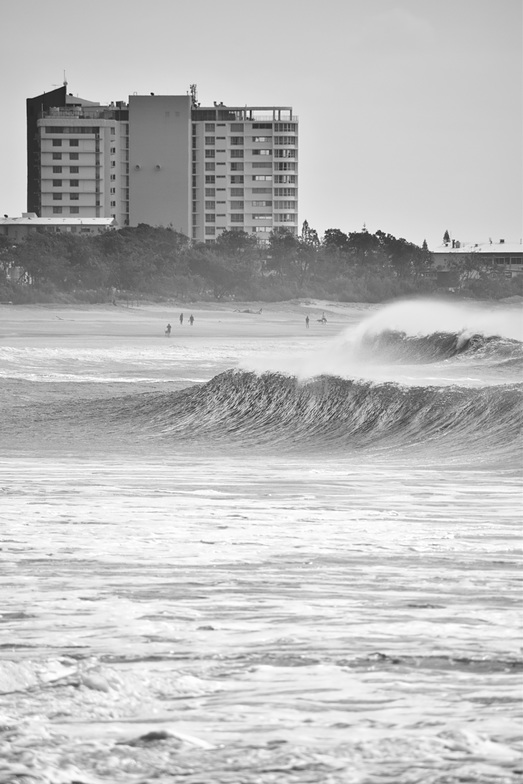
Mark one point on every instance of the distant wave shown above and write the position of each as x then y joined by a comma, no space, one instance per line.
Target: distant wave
392,345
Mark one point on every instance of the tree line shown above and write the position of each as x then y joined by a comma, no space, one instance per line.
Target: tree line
159,263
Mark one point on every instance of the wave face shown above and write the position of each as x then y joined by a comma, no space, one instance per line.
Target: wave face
399,346
328,412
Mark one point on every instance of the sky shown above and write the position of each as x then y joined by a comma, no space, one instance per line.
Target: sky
411,111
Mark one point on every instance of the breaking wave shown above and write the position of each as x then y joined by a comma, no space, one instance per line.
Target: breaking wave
328,412
393,346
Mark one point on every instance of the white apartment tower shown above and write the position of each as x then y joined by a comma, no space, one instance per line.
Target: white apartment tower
78,158
164,161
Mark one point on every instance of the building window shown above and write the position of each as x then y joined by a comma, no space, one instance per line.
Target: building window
236,179
236,191
262,216
57,183
282,178
210,191
210,166
57,210
74,169
262,138
113,150
57,142
285,153
285,127
74,183
113,204
74,210
262,126
210,140
113,190
113,164
285,217
262,203
285,191
57,197
210,230
113,130
285,166
285,205
236,166
57,156
210,153
262,177
263,151
73,156
210,217
237,140
74,196
262,165
236,153
285,140
209,127
210,179
237,127
237,205
74,142
113,177
237,218
57,169
210,205
262,190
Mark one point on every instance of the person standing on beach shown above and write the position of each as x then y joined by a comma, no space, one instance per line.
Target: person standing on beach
168,330
307,322
181,319
191,319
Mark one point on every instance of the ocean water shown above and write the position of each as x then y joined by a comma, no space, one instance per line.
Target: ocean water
265,560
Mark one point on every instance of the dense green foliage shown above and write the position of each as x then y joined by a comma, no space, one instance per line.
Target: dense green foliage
156,263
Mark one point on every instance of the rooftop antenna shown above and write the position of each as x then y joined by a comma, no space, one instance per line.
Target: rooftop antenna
194,94
65,80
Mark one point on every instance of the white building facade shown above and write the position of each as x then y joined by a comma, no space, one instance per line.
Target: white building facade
244,170
165,161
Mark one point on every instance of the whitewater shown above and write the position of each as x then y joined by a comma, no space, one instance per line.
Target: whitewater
256,552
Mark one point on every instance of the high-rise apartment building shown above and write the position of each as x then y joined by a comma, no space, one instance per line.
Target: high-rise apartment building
164,160
77,157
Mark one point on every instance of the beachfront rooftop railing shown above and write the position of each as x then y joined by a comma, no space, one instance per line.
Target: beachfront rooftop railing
244,113
83,113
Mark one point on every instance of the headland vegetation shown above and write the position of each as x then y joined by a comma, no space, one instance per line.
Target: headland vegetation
156,264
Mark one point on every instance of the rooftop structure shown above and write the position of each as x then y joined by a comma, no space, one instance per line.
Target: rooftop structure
20,227
505,256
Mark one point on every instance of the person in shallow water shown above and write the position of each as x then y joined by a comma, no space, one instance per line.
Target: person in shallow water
181,319
191,319
168,330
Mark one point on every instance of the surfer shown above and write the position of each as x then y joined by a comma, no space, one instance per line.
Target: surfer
168,330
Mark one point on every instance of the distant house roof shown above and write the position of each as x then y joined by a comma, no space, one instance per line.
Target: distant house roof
31,219
479,247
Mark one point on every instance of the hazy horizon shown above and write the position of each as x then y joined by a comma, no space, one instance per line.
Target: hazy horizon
410,111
